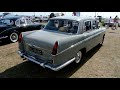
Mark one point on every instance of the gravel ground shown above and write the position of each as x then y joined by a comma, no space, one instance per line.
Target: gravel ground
100,62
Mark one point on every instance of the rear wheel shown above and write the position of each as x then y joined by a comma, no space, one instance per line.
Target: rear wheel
78,57
101,43
13,37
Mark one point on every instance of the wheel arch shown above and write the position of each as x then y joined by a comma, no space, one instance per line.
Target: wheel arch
83,50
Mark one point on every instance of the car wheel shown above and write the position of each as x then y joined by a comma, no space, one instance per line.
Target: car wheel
78,57
101,43
14,37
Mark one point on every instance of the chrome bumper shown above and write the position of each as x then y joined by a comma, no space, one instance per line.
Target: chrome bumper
46,65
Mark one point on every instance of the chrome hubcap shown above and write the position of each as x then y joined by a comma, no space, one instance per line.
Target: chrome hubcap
78,57
14,37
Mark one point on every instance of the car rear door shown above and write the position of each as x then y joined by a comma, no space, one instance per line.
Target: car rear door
91,34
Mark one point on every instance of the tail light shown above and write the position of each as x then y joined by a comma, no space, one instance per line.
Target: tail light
20,38
55,47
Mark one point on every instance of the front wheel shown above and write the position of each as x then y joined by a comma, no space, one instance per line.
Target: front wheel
78,57
13,37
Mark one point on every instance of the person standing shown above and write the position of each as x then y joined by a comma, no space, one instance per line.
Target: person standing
109,22
62,14
51,15
116,22
41,18
100,21
74,13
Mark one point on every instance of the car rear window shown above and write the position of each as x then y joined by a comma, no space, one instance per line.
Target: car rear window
68,26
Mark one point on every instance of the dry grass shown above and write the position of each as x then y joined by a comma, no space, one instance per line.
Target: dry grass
99,62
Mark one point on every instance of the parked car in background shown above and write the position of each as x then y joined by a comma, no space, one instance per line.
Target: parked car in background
108,23
63,40
11,27
45,18
37,19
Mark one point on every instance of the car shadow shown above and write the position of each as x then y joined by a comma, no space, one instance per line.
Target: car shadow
28,69
112,32
2,43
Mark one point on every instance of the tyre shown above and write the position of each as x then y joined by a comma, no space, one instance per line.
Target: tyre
13,37
101,43
78,57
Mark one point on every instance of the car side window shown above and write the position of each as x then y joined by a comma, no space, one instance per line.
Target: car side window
87,25
22,21
6,21
28,21
2,21
94,24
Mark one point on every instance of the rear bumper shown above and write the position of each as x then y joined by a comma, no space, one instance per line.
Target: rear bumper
46,64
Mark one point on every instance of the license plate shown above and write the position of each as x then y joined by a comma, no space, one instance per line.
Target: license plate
35,50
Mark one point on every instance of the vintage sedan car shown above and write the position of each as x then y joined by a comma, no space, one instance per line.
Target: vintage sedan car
62,41
108,24
11,27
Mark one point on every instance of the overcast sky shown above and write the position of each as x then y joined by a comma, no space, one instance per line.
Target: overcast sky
92,14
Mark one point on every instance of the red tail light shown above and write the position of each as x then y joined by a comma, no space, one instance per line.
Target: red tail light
54,51
20,38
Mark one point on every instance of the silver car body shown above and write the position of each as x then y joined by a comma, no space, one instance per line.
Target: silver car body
69,44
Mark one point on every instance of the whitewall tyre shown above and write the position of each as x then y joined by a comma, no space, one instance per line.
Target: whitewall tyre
14,37
78,57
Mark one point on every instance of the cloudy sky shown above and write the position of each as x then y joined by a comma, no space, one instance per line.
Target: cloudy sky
92,14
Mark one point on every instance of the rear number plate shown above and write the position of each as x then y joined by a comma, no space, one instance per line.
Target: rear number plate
35,50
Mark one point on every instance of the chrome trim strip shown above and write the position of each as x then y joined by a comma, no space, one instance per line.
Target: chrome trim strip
38,47
3,37
45,65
